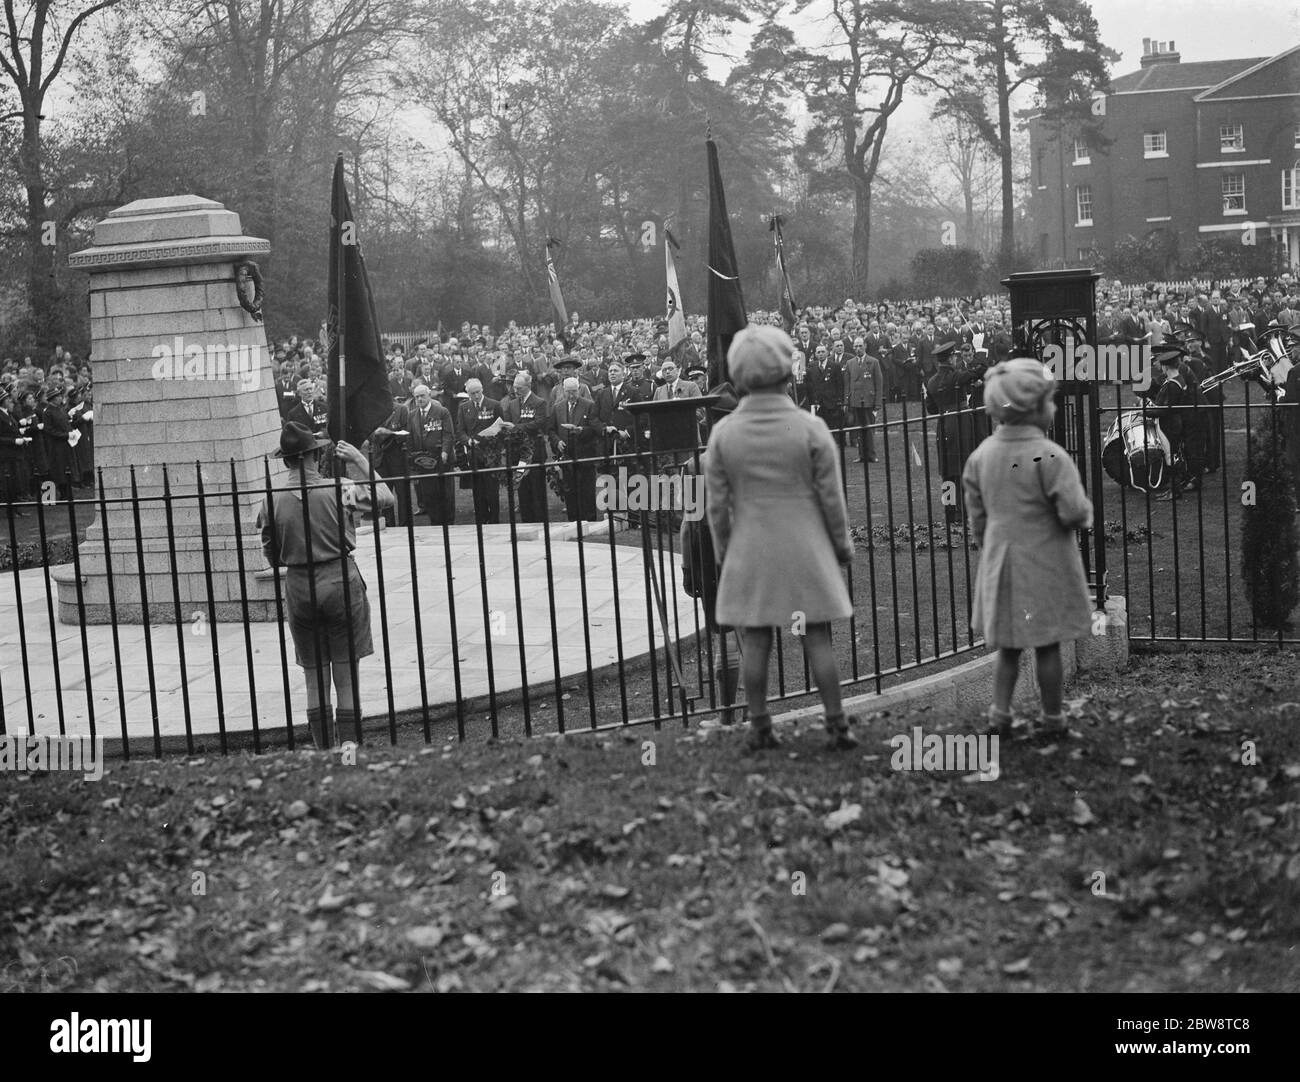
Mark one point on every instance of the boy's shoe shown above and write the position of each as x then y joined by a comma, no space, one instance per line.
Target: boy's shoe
321,723
345,725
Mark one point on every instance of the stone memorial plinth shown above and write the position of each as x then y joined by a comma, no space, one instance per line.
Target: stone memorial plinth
182,377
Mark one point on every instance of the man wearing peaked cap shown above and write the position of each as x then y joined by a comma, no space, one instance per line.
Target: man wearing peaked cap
1185,428
945,394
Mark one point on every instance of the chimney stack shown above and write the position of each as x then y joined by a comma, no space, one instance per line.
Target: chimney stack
1158,52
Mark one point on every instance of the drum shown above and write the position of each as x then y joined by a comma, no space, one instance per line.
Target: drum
1136,453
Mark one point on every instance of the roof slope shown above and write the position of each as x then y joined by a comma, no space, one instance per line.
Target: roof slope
1197,75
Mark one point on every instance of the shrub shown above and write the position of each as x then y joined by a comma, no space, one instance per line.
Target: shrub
58,550
1268,532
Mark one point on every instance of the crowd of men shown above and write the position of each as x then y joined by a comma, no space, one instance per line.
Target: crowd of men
535,408
46,427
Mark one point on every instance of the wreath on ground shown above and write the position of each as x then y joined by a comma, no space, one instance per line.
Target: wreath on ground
247,273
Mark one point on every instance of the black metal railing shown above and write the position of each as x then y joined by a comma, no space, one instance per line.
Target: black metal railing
525,628
1178,545
541,627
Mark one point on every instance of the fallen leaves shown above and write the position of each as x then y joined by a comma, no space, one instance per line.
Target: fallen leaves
846,814
382,982
425,937
329,902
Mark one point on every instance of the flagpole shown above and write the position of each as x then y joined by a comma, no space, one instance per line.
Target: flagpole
340,291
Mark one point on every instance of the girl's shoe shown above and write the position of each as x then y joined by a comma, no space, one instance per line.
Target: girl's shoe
1053,725
838,729
1000,722
761,737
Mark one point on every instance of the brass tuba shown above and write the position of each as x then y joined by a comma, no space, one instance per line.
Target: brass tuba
1268,366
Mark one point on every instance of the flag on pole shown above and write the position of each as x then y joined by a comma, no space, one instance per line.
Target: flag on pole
560,313
726,312
676,318
788,306
357,382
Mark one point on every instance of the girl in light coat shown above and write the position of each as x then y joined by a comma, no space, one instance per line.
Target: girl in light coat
780,527
1025,502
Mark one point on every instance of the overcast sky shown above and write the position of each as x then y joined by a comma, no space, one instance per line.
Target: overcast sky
1201,29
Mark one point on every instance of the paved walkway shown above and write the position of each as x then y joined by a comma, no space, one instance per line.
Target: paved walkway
624,566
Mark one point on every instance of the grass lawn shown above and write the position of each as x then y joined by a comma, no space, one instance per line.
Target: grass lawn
571,864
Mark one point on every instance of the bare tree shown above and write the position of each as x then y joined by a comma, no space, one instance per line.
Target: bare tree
34,44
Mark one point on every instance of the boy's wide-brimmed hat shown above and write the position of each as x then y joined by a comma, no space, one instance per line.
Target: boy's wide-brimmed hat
727,399
298,439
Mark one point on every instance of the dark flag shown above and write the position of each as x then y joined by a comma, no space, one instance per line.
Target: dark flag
357,389
726,312
788,306
557,298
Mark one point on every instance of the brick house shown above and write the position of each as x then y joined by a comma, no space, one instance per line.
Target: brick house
1196,150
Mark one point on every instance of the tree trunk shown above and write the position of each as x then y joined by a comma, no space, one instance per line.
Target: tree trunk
42,283
1008,244
861,235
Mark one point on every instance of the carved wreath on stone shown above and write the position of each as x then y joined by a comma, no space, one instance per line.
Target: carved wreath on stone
248,287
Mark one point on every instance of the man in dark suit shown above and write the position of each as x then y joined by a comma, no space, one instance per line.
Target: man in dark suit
576,429
430,446
285,396
611,406
1130,327
998,343
674,386
388,457
918,362
529,418
827,390
304,411
455,374
478,414
946,393
1212,415
1218,331
399,382
804,341
866,388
